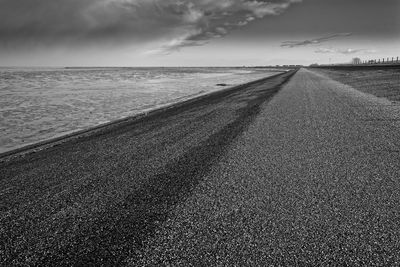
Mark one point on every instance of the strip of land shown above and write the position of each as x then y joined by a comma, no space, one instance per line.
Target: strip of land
97,196
282,172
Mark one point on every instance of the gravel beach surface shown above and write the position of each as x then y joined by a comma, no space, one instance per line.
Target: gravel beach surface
282,172
97,199
313,181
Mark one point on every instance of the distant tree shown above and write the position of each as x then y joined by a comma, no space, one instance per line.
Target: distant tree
356,61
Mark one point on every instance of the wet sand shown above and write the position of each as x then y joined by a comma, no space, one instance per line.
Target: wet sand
97,196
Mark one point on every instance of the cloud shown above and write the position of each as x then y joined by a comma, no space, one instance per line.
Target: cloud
178,23
218,18
176,44
344,51
291,44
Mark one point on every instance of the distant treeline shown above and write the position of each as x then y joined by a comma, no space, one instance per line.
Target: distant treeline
393,62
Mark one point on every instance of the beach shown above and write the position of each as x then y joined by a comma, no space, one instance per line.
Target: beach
298,168
96,197
199,133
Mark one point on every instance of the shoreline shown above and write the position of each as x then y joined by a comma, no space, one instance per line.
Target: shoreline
95,200
115,124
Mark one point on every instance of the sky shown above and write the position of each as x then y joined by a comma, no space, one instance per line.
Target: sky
196,32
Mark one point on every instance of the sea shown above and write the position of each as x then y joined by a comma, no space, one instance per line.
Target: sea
37,104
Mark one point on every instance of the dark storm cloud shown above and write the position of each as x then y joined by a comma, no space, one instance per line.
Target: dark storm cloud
292,44
52,21
185,22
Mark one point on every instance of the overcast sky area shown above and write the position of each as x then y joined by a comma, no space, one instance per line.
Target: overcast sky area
196,32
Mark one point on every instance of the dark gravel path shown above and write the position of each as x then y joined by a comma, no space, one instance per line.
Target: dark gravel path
97,200
308,177
313,181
